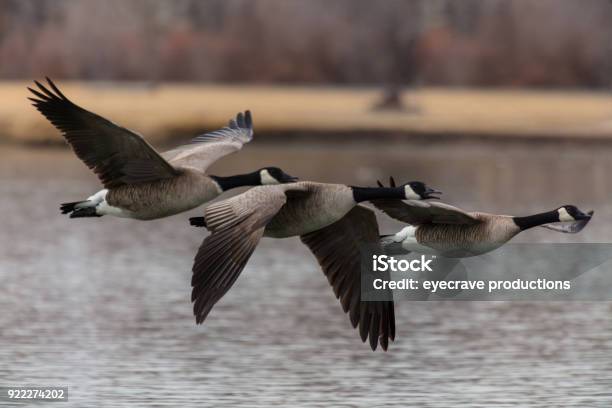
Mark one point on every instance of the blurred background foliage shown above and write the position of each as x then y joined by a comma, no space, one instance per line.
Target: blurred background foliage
545,43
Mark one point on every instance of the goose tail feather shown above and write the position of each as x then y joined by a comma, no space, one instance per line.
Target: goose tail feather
69,208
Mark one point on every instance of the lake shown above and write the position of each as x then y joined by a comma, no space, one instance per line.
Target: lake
102,306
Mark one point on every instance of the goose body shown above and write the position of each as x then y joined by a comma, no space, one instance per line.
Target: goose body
458,240
157,199
138,181
309,207
328,220
441,229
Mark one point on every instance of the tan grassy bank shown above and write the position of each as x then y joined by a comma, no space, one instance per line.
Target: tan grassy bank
170,110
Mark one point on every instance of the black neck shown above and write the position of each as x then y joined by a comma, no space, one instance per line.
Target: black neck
531,221
361,194
239,180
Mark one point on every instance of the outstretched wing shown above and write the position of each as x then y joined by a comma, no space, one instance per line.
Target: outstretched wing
117,155
237,224
416,212
423,212
205,149
337,247
569,227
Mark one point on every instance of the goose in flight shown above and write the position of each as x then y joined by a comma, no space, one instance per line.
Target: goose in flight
441,229
139,182
329,221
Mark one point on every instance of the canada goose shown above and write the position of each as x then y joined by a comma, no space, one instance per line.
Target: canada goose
328,220
438,228
139,182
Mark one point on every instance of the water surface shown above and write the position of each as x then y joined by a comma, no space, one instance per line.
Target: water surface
102,305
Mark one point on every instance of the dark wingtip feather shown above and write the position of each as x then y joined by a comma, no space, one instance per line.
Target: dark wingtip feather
196,312
39,85
379,183
374,328
45,90
43,98
354,318
364,323
56,89
384,345
392,181
47,95
248,119
392,323
240,120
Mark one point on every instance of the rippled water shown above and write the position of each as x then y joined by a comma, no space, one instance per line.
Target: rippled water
102,305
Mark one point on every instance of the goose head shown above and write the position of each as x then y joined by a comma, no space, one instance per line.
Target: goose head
414,190
417,190
274,175
571,213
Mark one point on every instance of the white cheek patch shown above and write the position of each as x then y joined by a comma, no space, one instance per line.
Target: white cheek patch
564,216
266,178
410,194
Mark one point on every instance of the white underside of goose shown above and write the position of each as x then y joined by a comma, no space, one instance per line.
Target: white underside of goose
407,237
98,200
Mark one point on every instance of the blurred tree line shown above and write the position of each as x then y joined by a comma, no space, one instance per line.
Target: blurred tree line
439,42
